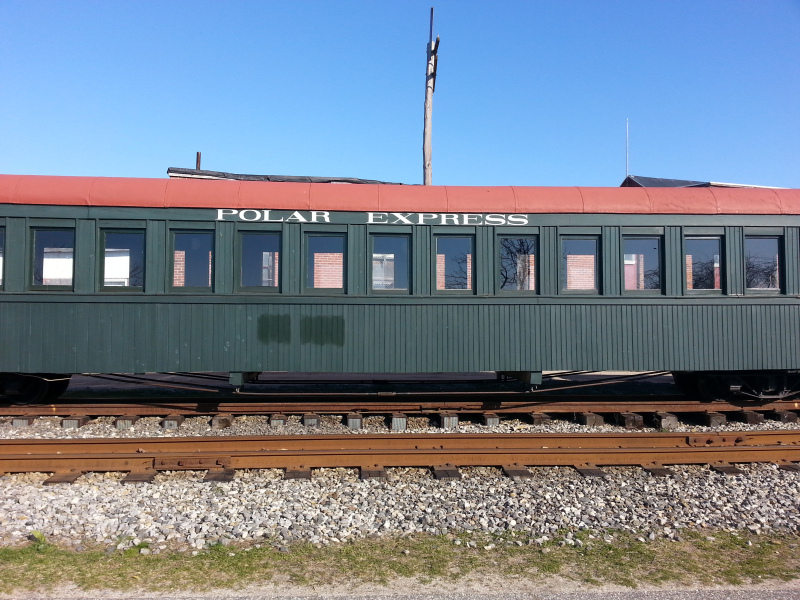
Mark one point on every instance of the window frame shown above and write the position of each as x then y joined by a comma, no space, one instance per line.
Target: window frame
471,291
371,252
643,236
781,289
598,265
723,275
33,229
499,258
307,235
238,260
171,287
101,267
3,255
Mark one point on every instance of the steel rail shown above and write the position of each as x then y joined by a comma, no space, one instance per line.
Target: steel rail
395,450
500,403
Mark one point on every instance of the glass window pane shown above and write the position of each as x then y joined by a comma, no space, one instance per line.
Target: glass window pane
260,259
193,259
703,266
579,264
53,251
2,252
325,262
518,263
454,264
762,263
390,262
123,259
642,263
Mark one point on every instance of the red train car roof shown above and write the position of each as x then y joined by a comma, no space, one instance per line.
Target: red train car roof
189,193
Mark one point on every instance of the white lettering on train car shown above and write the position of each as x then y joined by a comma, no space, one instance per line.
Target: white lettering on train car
251,215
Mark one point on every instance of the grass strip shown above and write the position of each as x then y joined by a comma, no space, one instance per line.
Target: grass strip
717,558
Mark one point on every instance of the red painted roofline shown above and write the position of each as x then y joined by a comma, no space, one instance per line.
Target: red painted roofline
190,193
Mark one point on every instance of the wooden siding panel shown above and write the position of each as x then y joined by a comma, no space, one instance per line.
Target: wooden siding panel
123,336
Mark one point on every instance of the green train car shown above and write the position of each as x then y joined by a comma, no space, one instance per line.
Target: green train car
115,275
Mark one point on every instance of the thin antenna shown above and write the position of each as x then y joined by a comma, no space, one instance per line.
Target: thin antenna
627,146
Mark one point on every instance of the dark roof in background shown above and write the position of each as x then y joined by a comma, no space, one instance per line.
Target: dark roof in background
178,173
638,181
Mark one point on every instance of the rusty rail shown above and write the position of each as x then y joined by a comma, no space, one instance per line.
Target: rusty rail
500,403
398,450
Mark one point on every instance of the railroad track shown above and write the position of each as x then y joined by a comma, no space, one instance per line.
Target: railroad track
478,402
221,456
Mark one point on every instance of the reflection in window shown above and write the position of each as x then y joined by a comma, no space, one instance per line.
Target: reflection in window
579,264
518,263
325,264
53,251
2,252
762,263
703,267
123,259
642,263
192,259
390,262
454,264
260,259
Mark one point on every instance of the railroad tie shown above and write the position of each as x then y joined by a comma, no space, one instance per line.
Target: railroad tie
220,475
725,468
784,416
590,470
446,472
63,477
140,477
373,472
297,473
786,465
517,472
658,470
221,421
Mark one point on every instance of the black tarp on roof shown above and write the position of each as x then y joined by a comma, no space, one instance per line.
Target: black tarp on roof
637,181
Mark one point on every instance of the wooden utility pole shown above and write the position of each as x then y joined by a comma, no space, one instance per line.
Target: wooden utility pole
430,87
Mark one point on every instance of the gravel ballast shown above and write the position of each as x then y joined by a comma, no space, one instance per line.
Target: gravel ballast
179,511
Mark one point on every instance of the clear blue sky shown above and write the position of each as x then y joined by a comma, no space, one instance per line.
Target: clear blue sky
528,93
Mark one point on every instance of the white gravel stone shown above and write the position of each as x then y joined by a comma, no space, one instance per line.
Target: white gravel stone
178,510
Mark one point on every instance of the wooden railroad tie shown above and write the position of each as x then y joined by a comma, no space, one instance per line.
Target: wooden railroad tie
64,477
725,468
658,470
140,477
517,472
590,470
446,472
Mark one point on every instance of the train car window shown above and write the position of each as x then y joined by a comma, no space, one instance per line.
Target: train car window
325,261
703,264
2,253
455,265
260,259
123,259
192,259
762,263
390,264
579,264
641,263
53,252
518,263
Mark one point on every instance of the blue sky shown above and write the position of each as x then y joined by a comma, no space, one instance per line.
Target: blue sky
528,93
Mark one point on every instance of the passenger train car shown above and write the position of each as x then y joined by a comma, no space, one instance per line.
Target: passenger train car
114,275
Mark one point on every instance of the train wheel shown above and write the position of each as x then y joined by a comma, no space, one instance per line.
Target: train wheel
24,389
687,383
715,387
56,388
